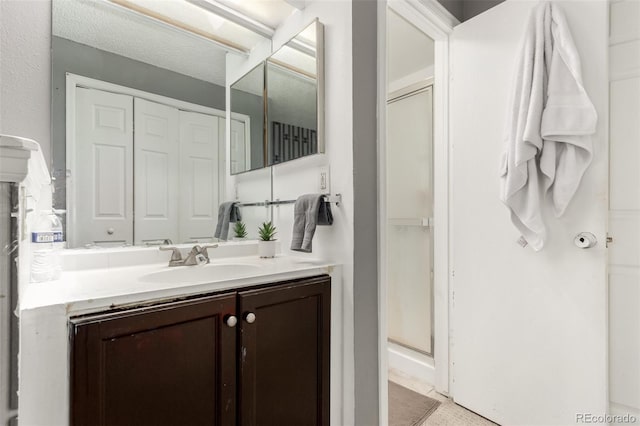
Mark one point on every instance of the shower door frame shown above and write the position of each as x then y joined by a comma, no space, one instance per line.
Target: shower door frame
434,21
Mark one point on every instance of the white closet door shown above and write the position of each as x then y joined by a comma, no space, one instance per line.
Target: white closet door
102,204
624,209
529,330
156,172
198,176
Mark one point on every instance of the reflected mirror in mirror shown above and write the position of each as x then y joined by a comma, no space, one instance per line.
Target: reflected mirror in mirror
247,124
295,97
138,127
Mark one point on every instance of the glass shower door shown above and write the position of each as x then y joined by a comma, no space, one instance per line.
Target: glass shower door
409,219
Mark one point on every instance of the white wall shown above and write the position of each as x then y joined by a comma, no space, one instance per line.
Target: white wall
25,70
528,328
25,82
301,176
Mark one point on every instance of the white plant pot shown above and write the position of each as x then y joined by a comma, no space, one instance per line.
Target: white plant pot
266,248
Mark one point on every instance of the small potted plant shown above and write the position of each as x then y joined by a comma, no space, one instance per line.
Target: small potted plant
266,243
239,231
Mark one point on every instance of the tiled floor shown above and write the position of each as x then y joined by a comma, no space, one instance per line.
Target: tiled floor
448,413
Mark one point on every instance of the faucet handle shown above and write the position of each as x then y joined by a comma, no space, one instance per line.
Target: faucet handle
197,255
176,256
204,251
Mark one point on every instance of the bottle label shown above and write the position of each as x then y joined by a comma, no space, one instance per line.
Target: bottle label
47,237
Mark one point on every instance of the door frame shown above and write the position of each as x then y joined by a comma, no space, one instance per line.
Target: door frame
73,81
436,22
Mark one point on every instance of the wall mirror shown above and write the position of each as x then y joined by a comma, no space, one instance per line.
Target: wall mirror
247,143
292,117
138,127
295,107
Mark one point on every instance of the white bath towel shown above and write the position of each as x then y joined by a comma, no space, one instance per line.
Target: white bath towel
549,111
568,121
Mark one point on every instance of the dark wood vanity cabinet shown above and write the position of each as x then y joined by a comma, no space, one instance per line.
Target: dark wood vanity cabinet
173,364
284,355
187,363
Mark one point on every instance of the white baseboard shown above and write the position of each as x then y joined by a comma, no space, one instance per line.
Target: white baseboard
411,364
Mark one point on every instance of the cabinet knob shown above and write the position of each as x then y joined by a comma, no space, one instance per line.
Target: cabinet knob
250,317
231,320
110,231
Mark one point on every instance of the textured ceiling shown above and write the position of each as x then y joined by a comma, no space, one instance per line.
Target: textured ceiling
107,27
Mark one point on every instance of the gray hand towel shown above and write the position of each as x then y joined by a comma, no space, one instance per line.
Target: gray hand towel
227,212
234,215
308,211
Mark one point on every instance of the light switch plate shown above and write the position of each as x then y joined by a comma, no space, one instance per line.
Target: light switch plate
324,181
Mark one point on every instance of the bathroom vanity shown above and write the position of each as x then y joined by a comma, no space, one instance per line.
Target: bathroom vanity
242,340
184,362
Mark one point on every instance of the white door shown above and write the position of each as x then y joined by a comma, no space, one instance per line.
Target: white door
529,336
624,205
409,207
240,152
156,172
102,204
198,176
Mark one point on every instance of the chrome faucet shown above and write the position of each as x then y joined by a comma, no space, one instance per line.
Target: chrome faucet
197,256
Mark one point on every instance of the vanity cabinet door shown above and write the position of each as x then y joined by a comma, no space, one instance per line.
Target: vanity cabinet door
284,354
173,364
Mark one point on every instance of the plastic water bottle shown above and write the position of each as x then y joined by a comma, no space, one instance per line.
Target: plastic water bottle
47,240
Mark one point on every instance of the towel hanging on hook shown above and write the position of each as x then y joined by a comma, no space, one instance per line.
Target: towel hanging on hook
547,140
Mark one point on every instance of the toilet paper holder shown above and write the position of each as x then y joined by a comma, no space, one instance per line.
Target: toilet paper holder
585,240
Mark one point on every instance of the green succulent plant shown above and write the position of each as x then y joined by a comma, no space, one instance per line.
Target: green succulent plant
240,230
267,231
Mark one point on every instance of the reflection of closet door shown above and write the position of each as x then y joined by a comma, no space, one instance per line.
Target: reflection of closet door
240,153
198,176
156,168
103,198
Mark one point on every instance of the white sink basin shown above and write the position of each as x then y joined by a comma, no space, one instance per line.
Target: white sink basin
201,274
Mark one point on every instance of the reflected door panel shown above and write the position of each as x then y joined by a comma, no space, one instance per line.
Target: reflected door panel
143,171
103,205
240,146
410,205
157,176
198,176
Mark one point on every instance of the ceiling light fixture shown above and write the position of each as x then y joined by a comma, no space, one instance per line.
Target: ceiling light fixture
234,16
181,26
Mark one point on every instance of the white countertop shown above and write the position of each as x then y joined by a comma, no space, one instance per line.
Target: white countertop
102,288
